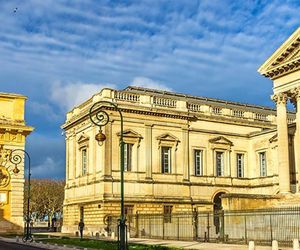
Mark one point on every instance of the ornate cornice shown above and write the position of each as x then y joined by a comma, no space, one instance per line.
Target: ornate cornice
286,59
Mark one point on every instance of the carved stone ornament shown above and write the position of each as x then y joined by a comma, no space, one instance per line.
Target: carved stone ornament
4,155
4,177
295,93
280,98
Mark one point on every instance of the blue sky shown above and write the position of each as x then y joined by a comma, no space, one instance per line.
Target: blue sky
60,52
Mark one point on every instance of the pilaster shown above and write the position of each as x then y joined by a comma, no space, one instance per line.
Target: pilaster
108,151
185,154
148,150
67,159
283,144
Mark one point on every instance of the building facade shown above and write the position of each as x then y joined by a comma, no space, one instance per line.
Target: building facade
13,132
184,152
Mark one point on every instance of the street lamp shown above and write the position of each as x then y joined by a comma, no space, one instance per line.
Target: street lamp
16,159
100,118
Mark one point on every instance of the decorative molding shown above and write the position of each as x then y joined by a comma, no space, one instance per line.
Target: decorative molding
295,96
83,138
167,140
285,59
4,177
129,133
221,140
274,138
131,136
280,98
4,155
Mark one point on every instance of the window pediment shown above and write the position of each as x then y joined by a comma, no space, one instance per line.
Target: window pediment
130,136
221,140
274,138
83,138
167,137
167,140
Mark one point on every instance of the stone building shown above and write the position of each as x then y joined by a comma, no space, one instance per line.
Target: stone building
13,132
185,152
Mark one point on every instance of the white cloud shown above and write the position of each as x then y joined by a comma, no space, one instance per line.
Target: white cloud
149,83
68,95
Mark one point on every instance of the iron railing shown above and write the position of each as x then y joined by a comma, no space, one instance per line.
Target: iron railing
262,226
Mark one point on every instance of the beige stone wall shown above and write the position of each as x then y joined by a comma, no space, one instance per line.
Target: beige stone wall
13,132
148,132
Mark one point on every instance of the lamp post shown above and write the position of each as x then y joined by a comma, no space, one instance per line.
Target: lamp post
100,118
16,159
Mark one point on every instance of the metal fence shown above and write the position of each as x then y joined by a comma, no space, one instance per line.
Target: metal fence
262,226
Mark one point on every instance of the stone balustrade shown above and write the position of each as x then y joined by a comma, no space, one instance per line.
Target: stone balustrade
241,111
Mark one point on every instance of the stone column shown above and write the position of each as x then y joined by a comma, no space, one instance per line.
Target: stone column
296,100
148,151
185,154
283,144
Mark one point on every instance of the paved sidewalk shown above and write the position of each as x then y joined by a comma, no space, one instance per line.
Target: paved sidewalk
200,245
169,243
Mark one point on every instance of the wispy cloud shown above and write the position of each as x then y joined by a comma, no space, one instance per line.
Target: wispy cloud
149,83
68,95
59,53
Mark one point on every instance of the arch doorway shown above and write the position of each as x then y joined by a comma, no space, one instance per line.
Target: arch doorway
218,211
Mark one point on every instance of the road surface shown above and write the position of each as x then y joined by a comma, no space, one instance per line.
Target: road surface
15,246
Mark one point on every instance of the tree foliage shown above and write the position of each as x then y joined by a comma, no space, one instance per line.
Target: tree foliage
46,198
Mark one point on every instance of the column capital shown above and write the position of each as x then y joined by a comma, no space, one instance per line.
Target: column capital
280,98
295,93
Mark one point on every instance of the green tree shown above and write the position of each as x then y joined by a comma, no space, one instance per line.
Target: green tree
46,198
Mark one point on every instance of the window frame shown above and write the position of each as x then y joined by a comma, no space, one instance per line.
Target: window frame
198,171
128,156
262,167
163,168
84,161
222,162
167,212
242,166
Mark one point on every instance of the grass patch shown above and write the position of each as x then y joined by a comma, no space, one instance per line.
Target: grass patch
101,244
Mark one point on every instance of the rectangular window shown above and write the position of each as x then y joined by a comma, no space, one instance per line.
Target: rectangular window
220,163
198,156
166,159
168,214
84,161
263,164
128,211
240,165
127,156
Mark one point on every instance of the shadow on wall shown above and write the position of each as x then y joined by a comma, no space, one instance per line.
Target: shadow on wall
7,226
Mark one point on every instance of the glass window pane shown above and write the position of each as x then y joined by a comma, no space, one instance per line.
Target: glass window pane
166,159
220,163
263,164
240,165
198,156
